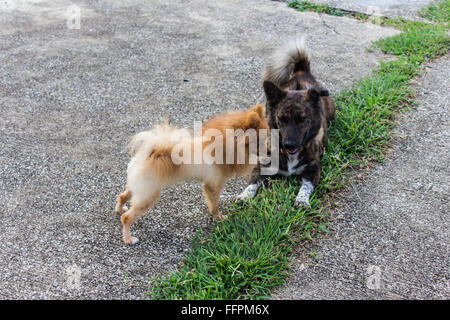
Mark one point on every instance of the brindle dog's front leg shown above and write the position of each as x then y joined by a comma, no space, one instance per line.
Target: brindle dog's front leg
256,182
310,178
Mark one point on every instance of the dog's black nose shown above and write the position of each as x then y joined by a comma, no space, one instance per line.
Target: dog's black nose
290,145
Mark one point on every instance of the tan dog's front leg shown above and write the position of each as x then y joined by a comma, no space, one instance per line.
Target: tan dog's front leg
211,191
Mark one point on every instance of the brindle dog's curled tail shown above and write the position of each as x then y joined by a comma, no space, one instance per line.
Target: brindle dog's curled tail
289,58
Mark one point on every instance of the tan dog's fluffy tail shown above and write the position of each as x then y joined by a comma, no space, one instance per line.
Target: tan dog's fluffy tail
144,139
289,58
154,147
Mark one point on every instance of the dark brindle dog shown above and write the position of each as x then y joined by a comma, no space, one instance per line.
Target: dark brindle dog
300,108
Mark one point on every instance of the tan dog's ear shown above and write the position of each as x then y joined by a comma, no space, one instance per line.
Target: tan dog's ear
259,109
253,120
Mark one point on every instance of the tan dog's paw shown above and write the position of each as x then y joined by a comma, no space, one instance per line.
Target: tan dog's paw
131,240
120,210
220,217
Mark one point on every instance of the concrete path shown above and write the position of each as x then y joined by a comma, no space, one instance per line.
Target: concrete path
392,236
71,97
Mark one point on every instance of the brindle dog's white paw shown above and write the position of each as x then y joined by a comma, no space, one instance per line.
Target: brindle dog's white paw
302,198
249,193
299,202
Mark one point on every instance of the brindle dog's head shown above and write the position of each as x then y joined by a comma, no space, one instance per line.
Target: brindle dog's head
296,113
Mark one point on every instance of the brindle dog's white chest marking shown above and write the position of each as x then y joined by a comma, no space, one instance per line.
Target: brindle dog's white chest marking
292,166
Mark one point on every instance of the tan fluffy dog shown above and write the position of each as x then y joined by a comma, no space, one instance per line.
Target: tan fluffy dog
153,168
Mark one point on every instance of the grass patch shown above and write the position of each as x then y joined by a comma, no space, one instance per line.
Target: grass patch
303,6
243,257
320,8
248,255
419,42
439,11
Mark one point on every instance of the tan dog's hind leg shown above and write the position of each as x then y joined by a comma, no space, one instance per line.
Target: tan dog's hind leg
211,191
135,212
121,200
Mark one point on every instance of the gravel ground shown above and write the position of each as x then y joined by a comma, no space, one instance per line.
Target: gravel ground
71,98
392,237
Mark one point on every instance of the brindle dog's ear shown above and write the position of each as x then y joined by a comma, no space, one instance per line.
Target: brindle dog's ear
273,93
315,93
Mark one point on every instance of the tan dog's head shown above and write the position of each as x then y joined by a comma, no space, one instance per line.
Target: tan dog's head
252,118
256,118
